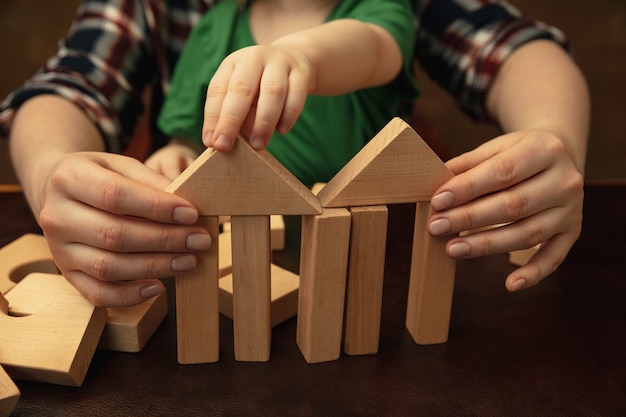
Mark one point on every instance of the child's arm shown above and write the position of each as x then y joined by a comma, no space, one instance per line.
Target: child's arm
263,88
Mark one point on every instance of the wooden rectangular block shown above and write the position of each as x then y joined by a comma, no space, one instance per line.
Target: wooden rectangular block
284,295
366,271
197,311
323,269
431,284
251,287
277,232
128,329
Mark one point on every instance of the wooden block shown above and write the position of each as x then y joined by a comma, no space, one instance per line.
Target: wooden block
366,270
277,232
323,269
431,284
284,295
277,238
521,257
128,329
225,254
396,166
251,287
27,254
243,182
4,305
54,345
197,311
9,393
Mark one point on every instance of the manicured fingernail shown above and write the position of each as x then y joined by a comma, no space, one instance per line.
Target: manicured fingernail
459,250
198,242
221,142
150,291
183,263
442,200
439,227
185,215
520,284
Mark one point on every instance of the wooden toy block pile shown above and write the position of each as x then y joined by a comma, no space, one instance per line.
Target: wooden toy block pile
49,332
342,250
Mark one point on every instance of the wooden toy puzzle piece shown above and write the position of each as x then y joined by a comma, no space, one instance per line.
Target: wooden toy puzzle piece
284,295
396,166
29,253
9,393
54,345
128,328
366,270
323,269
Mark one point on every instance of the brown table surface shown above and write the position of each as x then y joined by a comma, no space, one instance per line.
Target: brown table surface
558,349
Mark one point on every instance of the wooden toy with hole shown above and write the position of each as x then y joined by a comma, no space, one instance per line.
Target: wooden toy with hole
54,344
128,329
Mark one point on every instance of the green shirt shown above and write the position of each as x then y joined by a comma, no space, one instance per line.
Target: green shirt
331,129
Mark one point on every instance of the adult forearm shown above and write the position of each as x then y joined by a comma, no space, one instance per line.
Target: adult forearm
540,87
47,128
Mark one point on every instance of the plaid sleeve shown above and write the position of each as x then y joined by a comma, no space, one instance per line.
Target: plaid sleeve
461,44
102,66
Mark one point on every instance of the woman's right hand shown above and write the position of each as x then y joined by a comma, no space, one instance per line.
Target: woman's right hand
113,231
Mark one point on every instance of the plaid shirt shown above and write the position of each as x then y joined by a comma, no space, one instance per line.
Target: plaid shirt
116,48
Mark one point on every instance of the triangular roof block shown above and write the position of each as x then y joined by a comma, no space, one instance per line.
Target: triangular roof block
396,166
243,182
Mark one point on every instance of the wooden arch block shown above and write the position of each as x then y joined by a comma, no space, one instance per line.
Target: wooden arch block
249,186
54,345
397,166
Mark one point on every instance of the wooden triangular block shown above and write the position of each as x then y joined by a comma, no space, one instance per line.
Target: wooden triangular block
243,182
396,166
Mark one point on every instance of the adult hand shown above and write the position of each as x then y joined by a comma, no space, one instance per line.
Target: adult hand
113,231
527,180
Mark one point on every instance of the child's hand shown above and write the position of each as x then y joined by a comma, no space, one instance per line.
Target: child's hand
258,89
172,159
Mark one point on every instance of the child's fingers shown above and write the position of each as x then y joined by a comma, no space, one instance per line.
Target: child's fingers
299,87
241,91
272,95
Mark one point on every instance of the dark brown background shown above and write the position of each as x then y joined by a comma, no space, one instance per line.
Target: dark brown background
30,30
